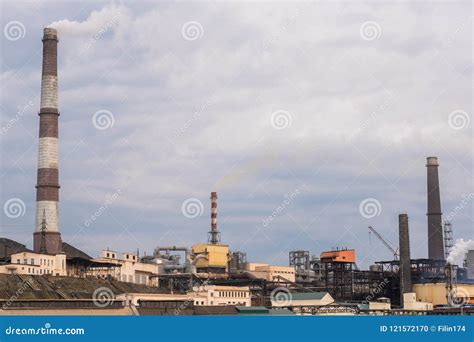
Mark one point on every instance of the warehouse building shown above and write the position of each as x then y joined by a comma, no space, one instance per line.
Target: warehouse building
270,272
303,299
127,267
211,295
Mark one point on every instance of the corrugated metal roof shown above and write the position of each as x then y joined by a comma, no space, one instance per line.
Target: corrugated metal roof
73,252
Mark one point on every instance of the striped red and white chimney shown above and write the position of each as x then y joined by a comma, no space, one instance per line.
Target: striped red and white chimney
213,211
214,234
47,187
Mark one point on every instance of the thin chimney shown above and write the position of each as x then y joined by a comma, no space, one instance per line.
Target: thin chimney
405,262
214,236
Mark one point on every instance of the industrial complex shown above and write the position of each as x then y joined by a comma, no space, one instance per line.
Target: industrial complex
212,278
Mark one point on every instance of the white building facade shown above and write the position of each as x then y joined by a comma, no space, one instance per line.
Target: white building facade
130,269
31,263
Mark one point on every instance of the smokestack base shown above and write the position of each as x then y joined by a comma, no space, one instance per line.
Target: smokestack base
53,242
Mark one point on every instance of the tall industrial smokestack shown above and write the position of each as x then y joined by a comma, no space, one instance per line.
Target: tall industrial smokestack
47,187
435,228
405,263
214,237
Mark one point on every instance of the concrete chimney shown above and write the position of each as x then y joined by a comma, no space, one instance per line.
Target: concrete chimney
405,263
214,234
435,228
47,187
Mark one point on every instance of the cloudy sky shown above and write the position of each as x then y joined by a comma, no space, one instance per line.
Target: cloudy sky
312,121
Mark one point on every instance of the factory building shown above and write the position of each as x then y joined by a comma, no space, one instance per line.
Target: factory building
210,274
435,293
304,299
209,295
211,258
270,272
338,256
127,268
31,263
411,303
470,264
381,304
72,262
222,295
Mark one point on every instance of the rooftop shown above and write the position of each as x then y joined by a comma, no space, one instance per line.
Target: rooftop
9,247
308,295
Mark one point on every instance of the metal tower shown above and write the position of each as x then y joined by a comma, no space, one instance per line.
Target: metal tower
42,248
448,238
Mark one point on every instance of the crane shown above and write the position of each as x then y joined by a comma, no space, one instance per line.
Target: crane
388,245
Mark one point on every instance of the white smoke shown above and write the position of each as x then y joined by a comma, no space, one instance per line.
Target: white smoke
459,250
93,24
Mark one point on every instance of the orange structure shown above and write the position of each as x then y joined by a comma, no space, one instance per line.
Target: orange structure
345,255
